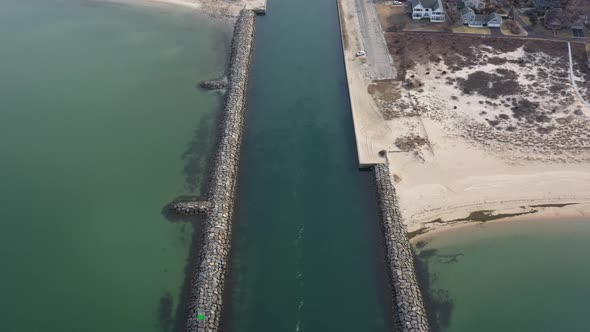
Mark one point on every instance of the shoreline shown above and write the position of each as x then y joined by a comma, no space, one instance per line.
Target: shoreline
448,169
544,213
217,12
176,3
157,3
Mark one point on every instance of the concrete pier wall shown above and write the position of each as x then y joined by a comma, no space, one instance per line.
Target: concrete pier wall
408,306
205,302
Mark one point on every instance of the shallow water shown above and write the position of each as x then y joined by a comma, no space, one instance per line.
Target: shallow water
306,253
101,126
522,276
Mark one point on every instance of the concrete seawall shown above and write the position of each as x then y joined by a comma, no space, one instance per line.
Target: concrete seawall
207,283
409,311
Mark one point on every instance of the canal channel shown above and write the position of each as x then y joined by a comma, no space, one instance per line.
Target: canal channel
307,251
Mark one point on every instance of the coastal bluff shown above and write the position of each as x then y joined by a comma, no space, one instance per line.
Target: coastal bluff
409,312
205,301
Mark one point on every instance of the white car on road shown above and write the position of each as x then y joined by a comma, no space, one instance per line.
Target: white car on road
360,53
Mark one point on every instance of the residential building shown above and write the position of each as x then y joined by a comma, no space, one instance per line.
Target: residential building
556,19
468,15
475,4
493,20
579,21
429,9
546,4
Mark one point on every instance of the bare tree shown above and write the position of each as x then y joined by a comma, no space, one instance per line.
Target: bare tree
454,16
533,17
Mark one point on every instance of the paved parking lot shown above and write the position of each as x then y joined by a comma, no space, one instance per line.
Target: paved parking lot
378,59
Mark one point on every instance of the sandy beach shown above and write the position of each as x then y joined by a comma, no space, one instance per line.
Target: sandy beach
215,8
474,128
545,215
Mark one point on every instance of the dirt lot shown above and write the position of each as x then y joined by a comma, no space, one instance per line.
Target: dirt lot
506,94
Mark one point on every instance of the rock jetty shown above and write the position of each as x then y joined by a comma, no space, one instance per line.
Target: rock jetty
214,84
207,283
189,208
409,312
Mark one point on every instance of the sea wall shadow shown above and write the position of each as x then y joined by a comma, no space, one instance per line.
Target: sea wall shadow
198,155
439,305
173,318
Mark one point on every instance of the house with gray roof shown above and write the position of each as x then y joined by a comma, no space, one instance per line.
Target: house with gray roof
429,9
546,4
475,4
493,20
556,19
579,21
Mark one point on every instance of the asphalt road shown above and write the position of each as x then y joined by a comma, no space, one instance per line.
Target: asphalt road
378,59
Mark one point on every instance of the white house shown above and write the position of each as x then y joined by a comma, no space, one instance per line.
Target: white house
430,9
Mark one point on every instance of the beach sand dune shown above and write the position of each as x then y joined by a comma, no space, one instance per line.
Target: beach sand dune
494,128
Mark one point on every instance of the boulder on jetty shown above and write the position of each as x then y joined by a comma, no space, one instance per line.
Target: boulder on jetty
189,208
214,84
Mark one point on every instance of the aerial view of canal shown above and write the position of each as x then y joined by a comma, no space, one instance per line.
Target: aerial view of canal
101,127
521,276
306,250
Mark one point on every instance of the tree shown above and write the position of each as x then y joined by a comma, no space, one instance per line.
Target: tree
533,17
513,27
513,4
454,16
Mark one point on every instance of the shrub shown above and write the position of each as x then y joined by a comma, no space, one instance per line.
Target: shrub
513,27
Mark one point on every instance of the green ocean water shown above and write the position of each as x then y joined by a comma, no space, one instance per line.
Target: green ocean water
525,276
100,126
306,251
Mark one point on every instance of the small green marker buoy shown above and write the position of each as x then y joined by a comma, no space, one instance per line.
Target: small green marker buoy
200,317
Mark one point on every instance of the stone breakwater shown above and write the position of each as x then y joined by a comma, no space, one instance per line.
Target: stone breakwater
407,300
207,283
214,84
189,208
